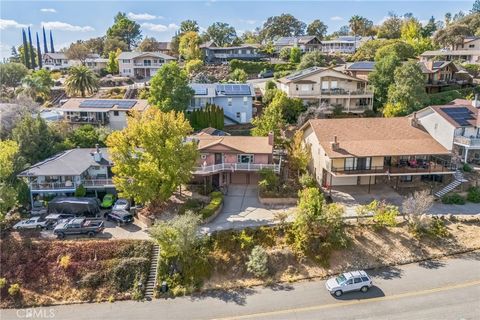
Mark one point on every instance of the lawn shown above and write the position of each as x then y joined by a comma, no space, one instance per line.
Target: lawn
50,272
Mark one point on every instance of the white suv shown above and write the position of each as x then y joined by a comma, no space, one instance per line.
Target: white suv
349,281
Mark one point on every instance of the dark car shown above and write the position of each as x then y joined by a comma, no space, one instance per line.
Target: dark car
119,216
86,207
266,74
78,226
53,219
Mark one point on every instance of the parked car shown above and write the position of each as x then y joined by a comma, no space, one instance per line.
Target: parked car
90,227
122,204
38,208
85,207
53,219
266,74
108,201
120,216
349,281
32,223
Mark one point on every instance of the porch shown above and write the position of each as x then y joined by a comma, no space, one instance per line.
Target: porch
233,167
82,117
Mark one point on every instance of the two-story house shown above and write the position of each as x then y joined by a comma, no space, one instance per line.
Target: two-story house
214,54
96,63
366,151
57,61
456,126
343,44
462,55
439,74
329,89
235,99
141,65
112,113
359,69
469,43
305,43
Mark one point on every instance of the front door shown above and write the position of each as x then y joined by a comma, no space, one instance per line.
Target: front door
361,163
147,73
218,158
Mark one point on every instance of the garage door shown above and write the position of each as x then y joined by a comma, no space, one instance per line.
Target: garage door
239,178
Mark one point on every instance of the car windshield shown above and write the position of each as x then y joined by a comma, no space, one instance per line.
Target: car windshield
340,279
121,202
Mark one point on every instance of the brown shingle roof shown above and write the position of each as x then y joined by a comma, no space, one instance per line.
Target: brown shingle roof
244,144
363,137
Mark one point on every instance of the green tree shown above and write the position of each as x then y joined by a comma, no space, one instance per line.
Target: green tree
412,33
193,66
112,64
382,77
10,164
429,29
38,85
284,25
257,262
402,50
86,136
239,75
298,154
285,54
11,74
452,35
295,55
189,46
169,89
360,26
25,58
311,59
189,25
80,191
317,28
475,7
96,45
78,51
221,33
114,44
125,29
81,80
391,27
149,44
151,158
272,118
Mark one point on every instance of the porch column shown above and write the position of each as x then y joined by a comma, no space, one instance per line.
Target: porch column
466,155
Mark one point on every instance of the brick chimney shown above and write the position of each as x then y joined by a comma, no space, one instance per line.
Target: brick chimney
335,144
414,121
270,138
475,102
429,64
97,155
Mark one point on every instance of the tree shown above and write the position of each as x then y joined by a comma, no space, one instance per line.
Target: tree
285,54
38,84
52,48
317,28
189,46
295,55
114,44
169,89
151,157
407,93
80,191
11,74
14,56
402,50
250,37
81,80
96,45
452,35
31,52
298,154
284,25
221,33
475,7
39,53
239,75
311,59
78,51
411,33
382,77
257,262
125,29
391,27
87,136
272,118
210,116
25,57
112,64
416,207
429,29
45,47
149,44
8,165
189,25
360,26
193,66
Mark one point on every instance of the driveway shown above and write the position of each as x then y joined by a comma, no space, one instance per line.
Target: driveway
242,209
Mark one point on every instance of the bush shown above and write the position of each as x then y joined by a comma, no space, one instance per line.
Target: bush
307,181
65,261
246,241
270,84
437,228
453,198
80,191
91,280
284,67
125,273
14,289
250,67
3,283
447,96
144,93
280,74
474,194
191,204
193,66
467,168
216,199
258,262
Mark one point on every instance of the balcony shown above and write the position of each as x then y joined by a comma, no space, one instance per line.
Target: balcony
92,183
239,55
232,167
327,93
140,64
66,186
429,167
467,141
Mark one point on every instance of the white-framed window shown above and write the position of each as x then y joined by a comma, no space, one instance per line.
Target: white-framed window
333,84
126,60
305,87
245,158
115,113
229,102
245,101
324,85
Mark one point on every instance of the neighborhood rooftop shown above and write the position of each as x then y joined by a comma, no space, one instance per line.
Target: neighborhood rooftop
459,112
103,105
246,144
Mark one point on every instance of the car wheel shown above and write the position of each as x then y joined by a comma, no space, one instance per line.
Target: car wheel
91,234
61,235
39,227
338,293
364,289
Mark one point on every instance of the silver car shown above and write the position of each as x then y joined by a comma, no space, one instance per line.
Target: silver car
121,204
349,281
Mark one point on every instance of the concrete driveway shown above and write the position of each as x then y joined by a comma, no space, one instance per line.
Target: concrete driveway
242,209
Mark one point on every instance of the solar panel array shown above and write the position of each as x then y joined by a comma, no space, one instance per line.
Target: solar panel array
233,89
437,64
462,116
108,104
299,74
362,65
200,91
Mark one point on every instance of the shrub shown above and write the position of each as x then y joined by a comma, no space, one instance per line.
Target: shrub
216,199
307,181
437,228
193,66
250,67
144,93
80,191
14,289
246,241
284,67
65,261
3,283
385,216
270,84
281,74
474,194
137,292
191,204
467,168
257,262
91,280
125,273
453,198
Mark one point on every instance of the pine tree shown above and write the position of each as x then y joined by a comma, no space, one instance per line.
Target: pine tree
52,49
39,53
26,56
30,48
45,47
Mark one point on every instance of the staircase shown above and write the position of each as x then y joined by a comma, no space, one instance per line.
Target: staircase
131,93
152,276
458,180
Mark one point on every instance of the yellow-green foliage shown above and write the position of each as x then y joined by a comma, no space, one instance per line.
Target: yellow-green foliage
14,289
65,261
215,202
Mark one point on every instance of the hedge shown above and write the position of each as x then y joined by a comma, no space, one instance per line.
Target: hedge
453,198
254,67
445,97
216,199
474,194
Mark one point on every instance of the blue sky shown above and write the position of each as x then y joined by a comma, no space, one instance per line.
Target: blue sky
73,20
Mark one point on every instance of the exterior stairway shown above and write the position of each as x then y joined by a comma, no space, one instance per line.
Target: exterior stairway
458,180
152,276
131,93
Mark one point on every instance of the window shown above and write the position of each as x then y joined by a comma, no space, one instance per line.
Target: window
333,84
406,178
357,280
245,158
126,60
245,101
349,281
324,85
349,163
229,102
471,46
115,113
365,279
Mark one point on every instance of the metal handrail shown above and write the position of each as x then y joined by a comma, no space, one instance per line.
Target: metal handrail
235,167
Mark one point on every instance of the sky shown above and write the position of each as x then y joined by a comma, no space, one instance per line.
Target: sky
74,20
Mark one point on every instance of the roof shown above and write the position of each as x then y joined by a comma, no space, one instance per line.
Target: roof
435,66
67,163
362,66
294,77
212,90
103,105
242,46
459,113
55,55
213,132
288,41
451,53
244,144
164,45
368,137
133,55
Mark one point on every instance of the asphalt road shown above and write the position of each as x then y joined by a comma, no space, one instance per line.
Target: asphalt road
439,289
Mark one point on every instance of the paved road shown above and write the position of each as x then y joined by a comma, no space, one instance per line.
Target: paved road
441,289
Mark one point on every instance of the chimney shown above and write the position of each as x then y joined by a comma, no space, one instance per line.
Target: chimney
414,121
97,155
475,102
429,64
335,144
270,138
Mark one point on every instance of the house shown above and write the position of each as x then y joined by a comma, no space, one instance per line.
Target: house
112,113
141,65
343,44
214,54
469,43
360,69
439,74
456,126
366,151
329,88
61,174
305,43
165,48
463,55
96,63
233,159
57,61
235,99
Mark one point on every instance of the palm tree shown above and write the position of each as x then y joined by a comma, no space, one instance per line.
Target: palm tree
81,80
34,87
355,24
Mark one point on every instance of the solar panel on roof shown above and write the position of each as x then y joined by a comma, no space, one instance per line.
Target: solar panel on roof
233,89
200,90
462,116
108,104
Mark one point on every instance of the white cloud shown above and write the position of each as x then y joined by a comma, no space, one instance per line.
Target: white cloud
48,10
5,24
336,18
142,16
5,50
159,27
63,26
248,21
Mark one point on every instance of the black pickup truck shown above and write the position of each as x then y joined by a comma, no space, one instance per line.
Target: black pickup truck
90,227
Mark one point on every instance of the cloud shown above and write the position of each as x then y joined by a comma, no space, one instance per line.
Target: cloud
248,21
142,16
48,10
159,27
5,24
336,18
63,26
209,2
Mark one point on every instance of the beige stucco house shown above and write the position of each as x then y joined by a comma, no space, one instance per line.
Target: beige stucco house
141,65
